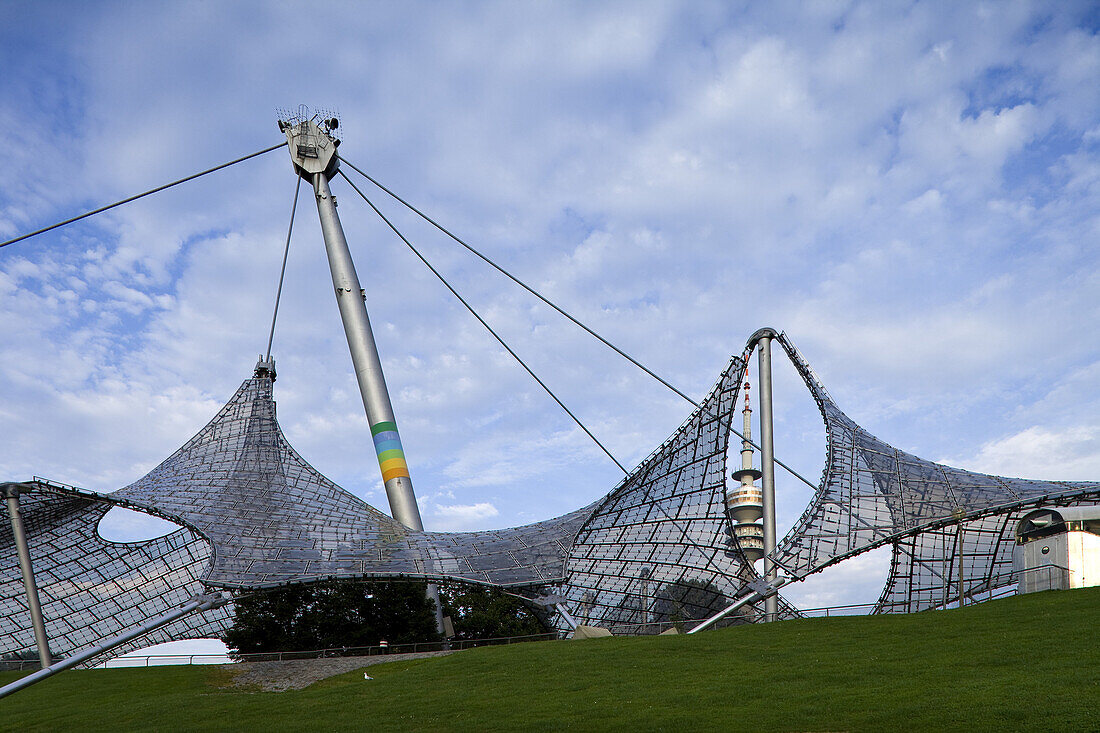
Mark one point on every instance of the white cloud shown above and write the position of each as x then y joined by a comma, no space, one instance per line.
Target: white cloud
857,580
1069,454
455,517
909,192
125,525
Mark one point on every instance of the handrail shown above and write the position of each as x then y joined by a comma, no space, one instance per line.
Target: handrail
653,627
327,653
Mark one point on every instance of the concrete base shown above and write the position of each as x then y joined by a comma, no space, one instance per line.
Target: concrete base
590,632
671,631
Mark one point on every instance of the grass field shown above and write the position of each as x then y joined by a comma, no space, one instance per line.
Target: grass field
1022,663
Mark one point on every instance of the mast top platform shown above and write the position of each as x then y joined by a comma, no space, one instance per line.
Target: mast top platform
312,142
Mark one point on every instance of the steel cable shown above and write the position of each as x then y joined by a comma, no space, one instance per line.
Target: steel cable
557,308
482,321
707,558
108,207
522,284
282,272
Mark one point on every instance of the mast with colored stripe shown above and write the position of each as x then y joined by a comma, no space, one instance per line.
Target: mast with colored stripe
312,147
391,456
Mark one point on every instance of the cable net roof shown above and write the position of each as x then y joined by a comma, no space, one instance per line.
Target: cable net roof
660,546
872,494
92,589
657,548
274,519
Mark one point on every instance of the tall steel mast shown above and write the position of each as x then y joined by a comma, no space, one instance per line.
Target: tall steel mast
763,338
313,153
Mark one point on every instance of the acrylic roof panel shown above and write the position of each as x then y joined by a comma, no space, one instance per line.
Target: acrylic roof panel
872,494
659,545
91,588
661,542
273,518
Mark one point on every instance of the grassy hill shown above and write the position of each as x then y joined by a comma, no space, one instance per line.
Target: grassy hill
1022,663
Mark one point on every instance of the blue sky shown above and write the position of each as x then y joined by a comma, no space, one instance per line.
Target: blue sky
910,190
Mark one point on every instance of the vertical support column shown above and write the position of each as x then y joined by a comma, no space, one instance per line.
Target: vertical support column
10,492
368,370
767,469
959,542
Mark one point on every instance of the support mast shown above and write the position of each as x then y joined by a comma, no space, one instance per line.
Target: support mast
767,467
368,366
313,153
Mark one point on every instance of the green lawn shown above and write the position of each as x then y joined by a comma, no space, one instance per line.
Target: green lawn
1022,663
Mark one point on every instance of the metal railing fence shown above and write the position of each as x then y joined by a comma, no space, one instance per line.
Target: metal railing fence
851,609
154,660
158,660
747,616
998,587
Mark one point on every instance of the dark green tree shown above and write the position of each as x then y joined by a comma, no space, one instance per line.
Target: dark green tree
480,612
687,599
18,660
331,614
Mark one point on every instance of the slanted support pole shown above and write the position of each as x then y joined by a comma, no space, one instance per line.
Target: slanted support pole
197,603
554,601
313,154
10,492
367,363
760,589
767,469
566,615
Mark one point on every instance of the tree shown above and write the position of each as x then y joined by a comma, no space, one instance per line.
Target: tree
331,614
688,600
481,612
18,660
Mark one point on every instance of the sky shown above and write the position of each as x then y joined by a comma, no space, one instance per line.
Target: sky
911,191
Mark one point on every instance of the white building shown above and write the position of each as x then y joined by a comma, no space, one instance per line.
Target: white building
1058,548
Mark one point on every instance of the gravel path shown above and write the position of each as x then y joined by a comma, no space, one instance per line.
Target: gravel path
295,674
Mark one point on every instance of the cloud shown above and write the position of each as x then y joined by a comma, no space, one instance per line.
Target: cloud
857,580
456,517
125,525
1068,454
908,191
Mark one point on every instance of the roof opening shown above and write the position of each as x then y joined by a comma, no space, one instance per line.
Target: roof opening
126,525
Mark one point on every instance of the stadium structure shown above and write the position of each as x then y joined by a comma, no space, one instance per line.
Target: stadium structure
676,539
